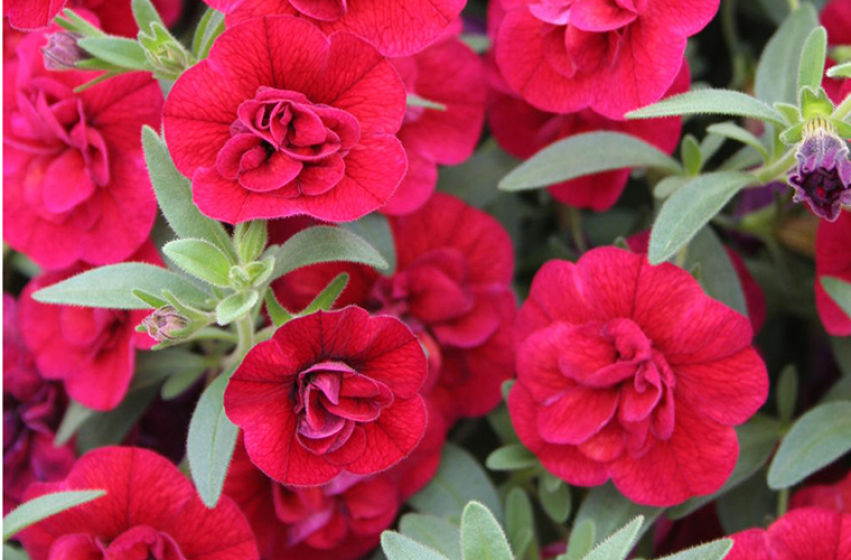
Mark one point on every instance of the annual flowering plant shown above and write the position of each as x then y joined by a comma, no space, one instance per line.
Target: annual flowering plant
427,279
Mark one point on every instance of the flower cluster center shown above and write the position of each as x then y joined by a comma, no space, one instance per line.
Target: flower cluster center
283,142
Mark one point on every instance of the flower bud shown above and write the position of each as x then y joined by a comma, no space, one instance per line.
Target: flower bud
166,323
822,177
62,51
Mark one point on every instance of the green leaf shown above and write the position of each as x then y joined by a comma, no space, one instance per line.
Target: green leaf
325,300
710,102
669,185
212,25
777,72
250,239
840,292
375,229
119,51
12,553
323,244
608,509
212,438
417,101
112,427
434,532
201,259
787,393
78,24
75,416
153,367
715,550
582,539
481,536
718,275
474,181
811,66
731,130
749,506
178,383
757,439
519,524
174,196
690,208
37,509
112,287
840,70
690,153
276,311
145,14
818,438
585,154
479,43
400,547
459,479
791,112
554,496
235,306
510,458
618,545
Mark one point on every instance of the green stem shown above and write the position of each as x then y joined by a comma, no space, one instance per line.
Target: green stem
844,109
245,340
265,334
782,502
575,217
680,261
776,169
213,333
794,5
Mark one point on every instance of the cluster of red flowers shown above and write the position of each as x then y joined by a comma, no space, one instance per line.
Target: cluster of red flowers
302,114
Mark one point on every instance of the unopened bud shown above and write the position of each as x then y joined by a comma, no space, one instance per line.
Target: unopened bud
62,51
166,323
822,177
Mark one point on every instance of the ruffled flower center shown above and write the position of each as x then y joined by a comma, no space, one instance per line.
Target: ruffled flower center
282,142
822,178
66,158
331,399
619,392
139,543
584,35
323,516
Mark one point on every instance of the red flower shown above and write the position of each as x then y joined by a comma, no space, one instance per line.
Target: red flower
394,27
833,258
280,120
801,534
828,496
115,16
452,287
836,18
341,520
567,55
522,130
449,73
93,351
754,298
150,510
75,184
629,371
31,14
331,392
32,409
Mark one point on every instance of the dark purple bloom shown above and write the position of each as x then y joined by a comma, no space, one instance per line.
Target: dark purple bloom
822,178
